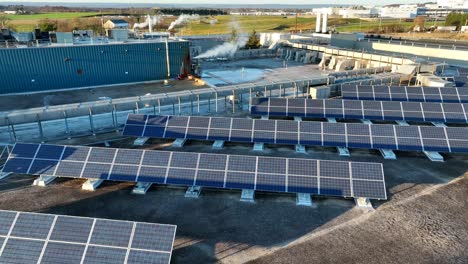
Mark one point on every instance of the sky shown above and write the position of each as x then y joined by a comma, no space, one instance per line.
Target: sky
299,2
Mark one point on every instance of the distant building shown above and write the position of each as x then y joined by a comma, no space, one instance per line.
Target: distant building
452,3
358,12
400,11
116,23
10,12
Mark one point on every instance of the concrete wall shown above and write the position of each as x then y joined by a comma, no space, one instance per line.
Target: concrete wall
52,68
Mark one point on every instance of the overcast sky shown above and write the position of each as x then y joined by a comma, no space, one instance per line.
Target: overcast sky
299,2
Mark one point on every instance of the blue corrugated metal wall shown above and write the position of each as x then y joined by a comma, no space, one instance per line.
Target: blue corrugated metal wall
51,68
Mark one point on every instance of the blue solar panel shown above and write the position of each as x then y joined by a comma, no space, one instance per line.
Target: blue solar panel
45,238
209,170
303,184
180,176
24,150
349,109
398,93
271,182
240,180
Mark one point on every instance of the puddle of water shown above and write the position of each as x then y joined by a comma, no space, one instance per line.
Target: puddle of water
227,77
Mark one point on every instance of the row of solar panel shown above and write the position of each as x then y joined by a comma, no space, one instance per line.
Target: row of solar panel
45,238
402,93
352,109
411,138
196,169
461,81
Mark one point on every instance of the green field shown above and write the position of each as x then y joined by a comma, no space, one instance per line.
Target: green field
259,23
62,15
225,23
371,25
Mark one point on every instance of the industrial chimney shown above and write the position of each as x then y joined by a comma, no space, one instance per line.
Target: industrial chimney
325,23
318,23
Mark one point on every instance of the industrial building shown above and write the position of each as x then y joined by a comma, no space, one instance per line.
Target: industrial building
47,68
313,148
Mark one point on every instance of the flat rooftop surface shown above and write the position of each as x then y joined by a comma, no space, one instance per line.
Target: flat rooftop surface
424,219
25,101
222,73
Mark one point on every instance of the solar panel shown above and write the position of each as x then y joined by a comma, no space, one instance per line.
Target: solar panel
329,134
207,170
402,93
373,110
46,238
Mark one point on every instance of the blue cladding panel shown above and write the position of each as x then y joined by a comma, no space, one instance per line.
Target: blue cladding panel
99,65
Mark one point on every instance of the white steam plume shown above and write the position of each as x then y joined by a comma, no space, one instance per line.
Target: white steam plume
150,21
182,19
228,48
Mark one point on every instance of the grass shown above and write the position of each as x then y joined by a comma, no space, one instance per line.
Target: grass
258,23
225,23
364,26
61,15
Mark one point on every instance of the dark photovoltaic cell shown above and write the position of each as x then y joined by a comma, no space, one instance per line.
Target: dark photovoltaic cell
350,135
374,110
198,169
402,93
45,238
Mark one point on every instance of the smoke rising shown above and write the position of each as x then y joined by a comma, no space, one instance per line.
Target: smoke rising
228,48
182,19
